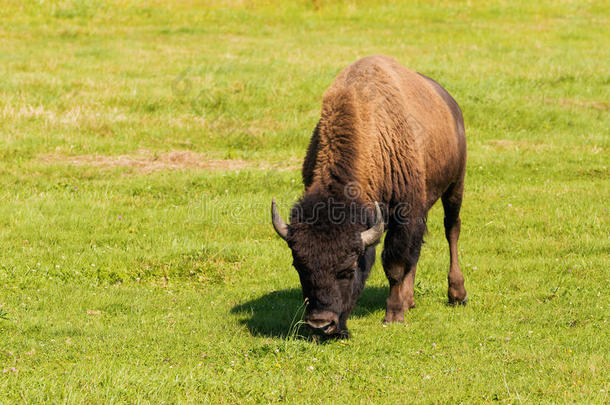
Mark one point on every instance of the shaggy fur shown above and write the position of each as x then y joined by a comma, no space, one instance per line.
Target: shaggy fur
390,135
322,225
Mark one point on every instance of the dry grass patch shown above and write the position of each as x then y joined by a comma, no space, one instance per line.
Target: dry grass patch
508,144
147,162
75,116
521,145
571,102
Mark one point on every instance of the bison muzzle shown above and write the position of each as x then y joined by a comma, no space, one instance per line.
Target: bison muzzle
389,143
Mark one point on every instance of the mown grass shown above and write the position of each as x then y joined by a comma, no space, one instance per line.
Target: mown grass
121,285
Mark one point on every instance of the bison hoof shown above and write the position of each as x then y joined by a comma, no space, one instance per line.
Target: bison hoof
341,335
344,334
454,302
392,317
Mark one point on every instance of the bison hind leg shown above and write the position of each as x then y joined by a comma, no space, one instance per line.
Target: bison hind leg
452,202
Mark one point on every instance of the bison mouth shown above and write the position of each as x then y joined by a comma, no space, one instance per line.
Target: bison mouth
326,324
322,328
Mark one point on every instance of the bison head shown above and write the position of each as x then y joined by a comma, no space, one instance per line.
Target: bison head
333,250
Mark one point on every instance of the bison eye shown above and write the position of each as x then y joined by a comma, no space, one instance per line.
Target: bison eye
346,274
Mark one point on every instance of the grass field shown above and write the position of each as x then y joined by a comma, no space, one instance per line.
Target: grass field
140,146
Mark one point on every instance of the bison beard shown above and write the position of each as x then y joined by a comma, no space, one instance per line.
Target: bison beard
387,137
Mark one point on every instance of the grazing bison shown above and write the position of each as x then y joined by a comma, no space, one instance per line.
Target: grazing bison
390,142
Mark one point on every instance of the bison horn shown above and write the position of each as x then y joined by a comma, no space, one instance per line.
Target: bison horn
281,227
373,234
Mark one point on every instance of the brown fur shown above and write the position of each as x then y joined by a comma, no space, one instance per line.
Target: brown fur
365,135
386,134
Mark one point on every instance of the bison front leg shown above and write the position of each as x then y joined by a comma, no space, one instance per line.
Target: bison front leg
402,281
400,256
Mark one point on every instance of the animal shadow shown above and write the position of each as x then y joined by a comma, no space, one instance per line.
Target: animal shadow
277,313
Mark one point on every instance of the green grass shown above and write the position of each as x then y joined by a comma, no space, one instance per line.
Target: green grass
119,285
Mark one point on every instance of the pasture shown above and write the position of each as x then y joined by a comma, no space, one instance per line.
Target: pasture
140,146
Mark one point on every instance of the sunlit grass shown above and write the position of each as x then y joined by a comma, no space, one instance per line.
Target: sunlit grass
123,284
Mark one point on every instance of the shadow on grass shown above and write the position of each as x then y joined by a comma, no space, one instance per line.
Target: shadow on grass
275,313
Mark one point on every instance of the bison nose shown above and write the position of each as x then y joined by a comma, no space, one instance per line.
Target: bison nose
325,322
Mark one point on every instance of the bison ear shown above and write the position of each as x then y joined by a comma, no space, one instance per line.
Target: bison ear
373,234
280,226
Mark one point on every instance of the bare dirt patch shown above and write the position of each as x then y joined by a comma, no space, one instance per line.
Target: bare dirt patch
146,161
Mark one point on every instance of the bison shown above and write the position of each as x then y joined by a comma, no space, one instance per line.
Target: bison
389,143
